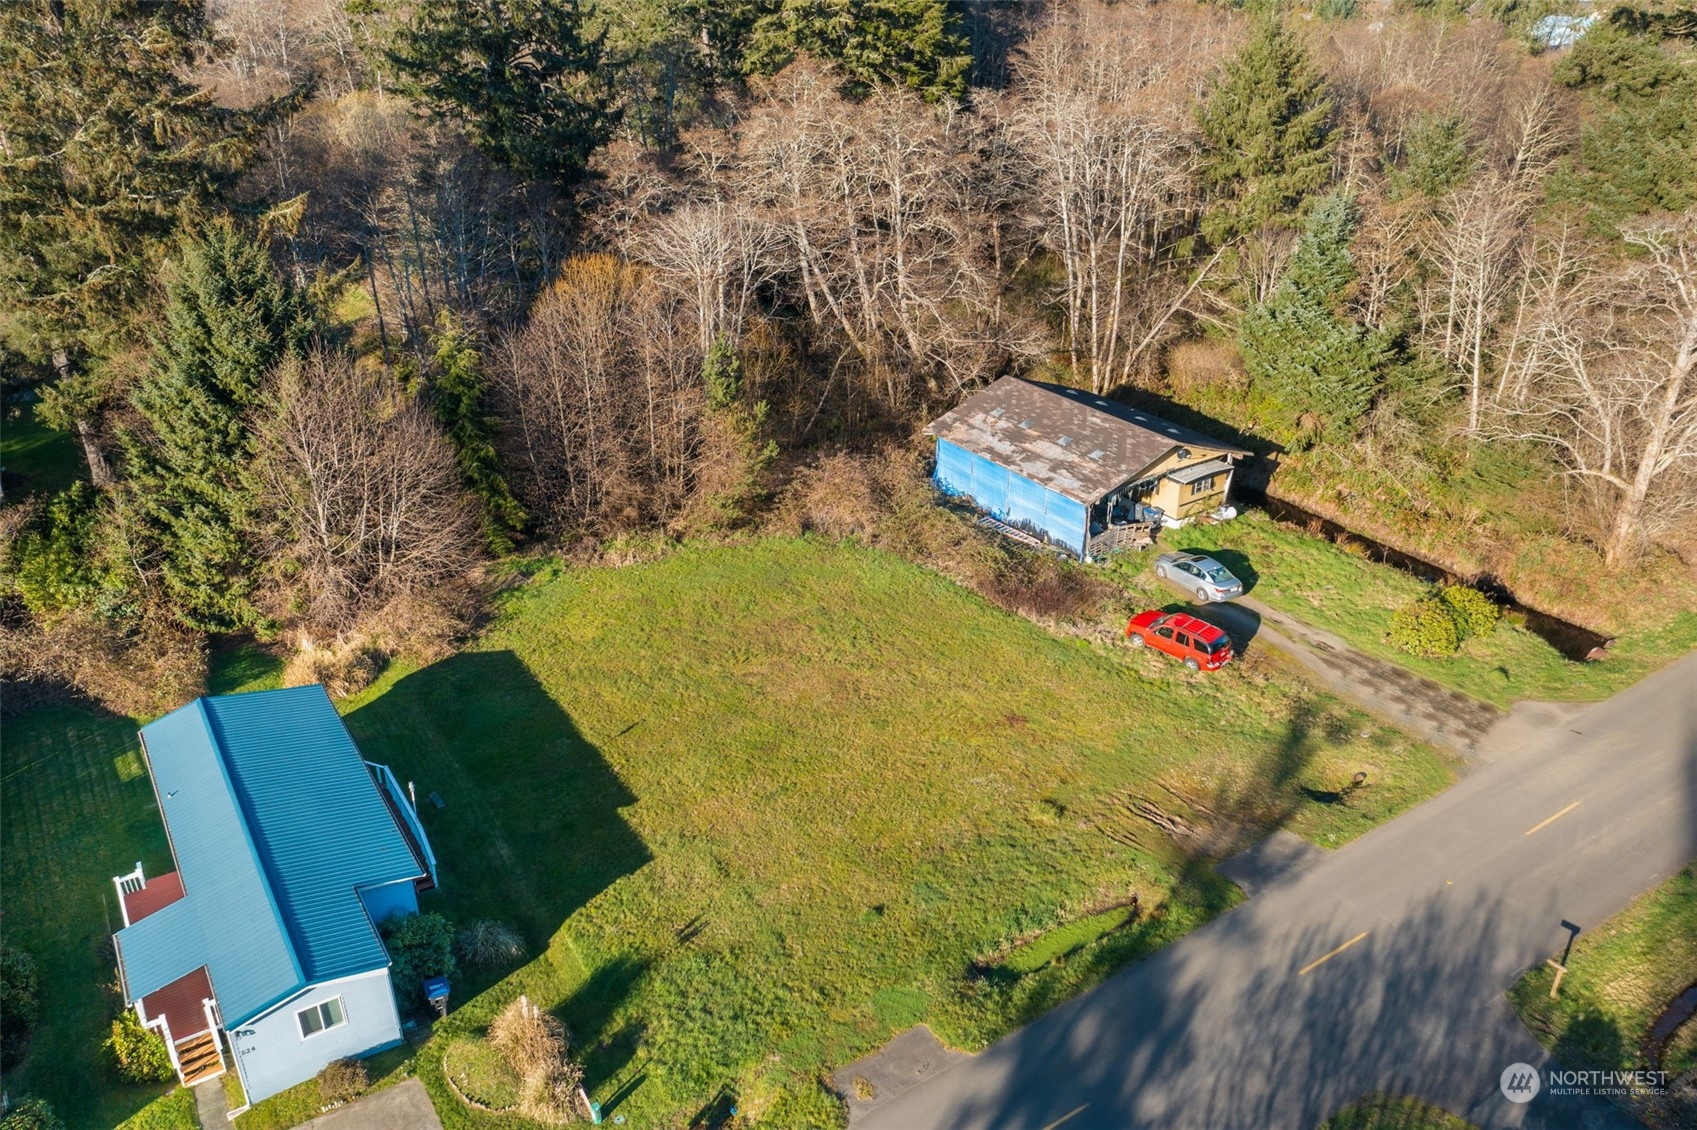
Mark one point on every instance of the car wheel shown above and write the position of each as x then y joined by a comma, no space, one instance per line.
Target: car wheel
1137,640
1161,572
1193,665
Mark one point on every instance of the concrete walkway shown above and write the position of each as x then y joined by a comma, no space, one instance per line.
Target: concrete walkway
212,1105
405,1106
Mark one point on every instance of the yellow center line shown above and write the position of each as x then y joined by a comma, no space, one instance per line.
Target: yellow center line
1554,818
1327,957
1068,1116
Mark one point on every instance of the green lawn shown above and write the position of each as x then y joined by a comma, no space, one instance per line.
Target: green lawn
1322,584
43,460
759,808
755,809
78,810
1621,975
1394,1112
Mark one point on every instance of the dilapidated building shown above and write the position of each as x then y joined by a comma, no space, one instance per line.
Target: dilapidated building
1069,467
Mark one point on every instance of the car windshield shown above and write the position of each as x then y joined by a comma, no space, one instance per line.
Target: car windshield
1216,574
1219,645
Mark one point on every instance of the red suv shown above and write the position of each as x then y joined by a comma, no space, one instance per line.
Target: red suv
1201,645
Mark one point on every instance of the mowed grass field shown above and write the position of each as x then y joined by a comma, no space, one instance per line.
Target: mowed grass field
1323,584
78,809
755,809
759,808
37,459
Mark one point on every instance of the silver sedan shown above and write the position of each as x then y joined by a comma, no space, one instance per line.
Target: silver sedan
1205,578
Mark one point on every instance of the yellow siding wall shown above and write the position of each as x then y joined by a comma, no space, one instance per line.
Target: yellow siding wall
1176,499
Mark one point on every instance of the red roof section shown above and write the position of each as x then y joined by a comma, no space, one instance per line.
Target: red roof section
160,892
180,1003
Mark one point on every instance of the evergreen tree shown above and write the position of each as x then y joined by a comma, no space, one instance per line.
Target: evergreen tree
913,43
1267,122
456,390
1436,156
1322,367
520,76
1638,148
106,149
229,318
61,560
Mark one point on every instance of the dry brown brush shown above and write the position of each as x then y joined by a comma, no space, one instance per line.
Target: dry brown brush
886,500
535,1046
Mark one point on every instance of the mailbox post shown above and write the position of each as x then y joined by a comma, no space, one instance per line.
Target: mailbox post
436,992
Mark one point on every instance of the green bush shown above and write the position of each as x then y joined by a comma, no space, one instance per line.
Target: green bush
1474,613
342,1080
19,1005
31,1113
420,946
1425,628
487,944
138,1053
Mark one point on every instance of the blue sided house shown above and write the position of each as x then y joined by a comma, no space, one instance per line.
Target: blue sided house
1073,469
260,952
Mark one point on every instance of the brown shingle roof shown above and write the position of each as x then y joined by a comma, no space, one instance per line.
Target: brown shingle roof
1068,440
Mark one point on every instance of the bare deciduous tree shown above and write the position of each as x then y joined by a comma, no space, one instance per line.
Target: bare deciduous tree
1474,248
717,255
883,230
600,398
1110,160
362,487
1604,370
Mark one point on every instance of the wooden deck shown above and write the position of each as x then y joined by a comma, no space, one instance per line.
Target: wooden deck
160,892
180,1004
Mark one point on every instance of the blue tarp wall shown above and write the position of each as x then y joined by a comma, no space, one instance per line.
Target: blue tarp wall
1011,497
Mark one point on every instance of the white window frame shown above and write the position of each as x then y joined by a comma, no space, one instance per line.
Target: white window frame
341,1007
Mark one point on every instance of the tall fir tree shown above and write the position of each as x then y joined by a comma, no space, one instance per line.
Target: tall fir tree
1268,126
1638,144
913,43
521,76
1301,350
106,151
229,318
456,388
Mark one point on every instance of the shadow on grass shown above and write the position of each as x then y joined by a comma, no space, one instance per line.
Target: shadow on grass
588,1014
529,829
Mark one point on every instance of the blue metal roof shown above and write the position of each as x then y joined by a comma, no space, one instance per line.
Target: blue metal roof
275,823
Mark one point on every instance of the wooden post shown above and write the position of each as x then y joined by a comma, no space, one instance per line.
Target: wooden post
1561,971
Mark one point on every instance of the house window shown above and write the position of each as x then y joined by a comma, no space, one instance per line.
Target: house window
1202,486
326,1014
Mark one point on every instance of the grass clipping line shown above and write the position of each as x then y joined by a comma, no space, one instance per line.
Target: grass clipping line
535,1046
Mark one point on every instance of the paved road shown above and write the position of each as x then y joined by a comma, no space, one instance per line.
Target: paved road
1225,1029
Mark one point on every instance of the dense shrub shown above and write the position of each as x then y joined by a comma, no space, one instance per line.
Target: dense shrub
342,1080
487,944
1474,613
19,1005
1425,628
31,1113
138,1054
420,946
